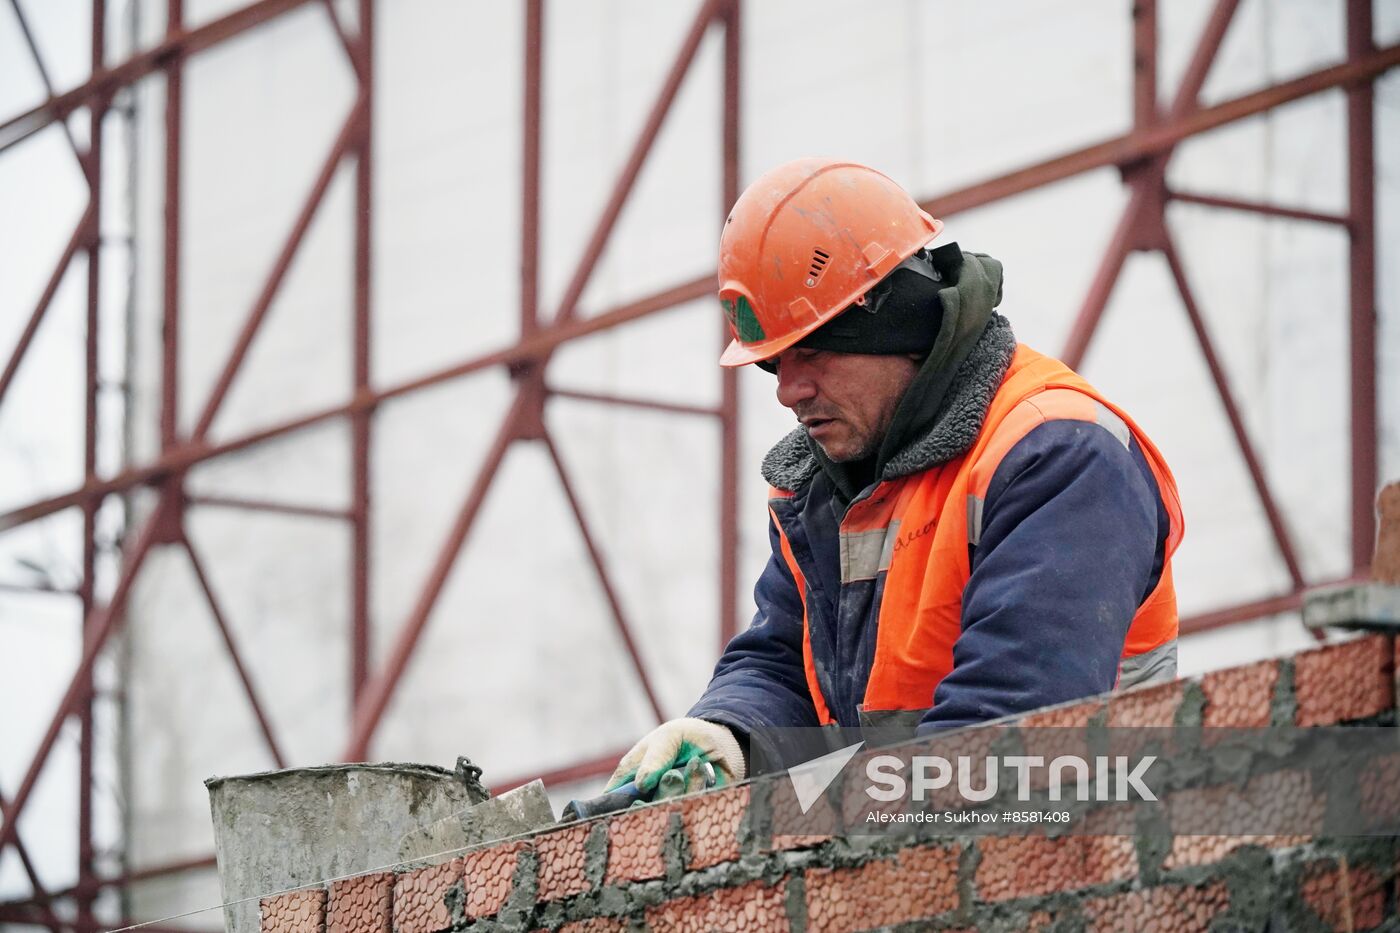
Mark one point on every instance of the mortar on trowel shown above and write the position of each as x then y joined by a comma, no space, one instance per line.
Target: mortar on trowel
278,830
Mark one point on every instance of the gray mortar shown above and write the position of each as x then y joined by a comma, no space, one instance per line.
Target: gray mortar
595,854
859,849
524,888
1066,920
649,894
613,902
1014,916
1285,708
1191,713
756,828
749,835
455,900
1291,912
1254,889
1153,845
730,874
581,906
795,904
675,850
799,860
968,859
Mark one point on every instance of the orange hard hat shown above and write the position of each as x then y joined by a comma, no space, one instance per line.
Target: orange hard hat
803,243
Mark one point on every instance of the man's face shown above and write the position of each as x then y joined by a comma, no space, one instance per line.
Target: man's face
846,401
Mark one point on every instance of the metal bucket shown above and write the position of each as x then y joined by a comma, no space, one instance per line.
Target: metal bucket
281,829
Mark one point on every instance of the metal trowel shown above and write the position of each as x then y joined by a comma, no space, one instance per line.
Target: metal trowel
521,810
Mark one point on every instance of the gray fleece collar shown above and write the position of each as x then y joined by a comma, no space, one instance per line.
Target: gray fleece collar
791,464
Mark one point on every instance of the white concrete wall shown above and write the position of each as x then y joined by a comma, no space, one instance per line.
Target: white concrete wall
520,666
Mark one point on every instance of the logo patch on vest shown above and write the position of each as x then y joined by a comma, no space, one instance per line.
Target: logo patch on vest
904,541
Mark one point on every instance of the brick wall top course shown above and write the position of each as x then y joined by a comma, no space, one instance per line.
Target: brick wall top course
702,862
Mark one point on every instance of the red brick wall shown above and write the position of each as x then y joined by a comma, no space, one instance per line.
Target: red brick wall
697,865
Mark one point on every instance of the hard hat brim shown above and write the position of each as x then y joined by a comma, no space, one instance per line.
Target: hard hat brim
739,354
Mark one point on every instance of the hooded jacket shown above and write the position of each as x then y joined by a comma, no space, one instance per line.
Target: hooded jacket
1065,583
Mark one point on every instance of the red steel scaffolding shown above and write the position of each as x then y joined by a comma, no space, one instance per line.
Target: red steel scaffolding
1141,155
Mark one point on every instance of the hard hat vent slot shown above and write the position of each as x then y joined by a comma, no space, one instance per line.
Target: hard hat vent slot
820,258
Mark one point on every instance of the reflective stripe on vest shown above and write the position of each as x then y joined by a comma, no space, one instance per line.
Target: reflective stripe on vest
917,529
1157,665
808,665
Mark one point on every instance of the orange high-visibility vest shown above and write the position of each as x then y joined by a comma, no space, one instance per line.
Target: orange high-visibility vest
917,529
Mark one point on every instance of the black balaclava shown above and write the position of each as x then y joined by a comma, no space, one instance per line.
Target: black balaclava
923,311
901,315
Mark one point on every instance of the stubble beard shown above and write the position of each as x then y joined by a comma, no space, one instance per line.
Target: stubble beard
864,449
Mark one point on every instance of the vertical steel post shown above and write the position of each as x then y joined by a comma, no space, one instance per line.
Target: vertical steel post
530,170
170,330
729,378
360,508
1144,63
1361,172
92,167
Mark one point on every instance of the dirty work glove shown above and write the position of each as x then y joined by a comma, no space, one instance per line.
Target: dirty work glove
679,745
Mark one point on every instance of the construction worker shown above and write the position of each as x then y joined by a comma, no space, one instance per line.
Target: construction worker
961,527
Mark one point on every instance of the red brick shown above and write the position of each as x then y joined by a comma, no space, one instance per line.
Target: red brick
488,874
562,862
918,884
420,898
293,912
1146,707
752,907
1352,680
364,904
1385,565
1028,866
1141,717
1378,785
1344,897
793,829
712,823
1070,716
1163,910
1239,697
1106,819
1276,800
1187,851
636,843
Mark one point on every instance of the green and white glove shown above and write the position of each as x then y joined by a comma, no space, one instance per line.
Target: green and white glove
679,746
